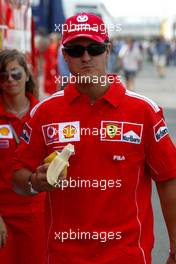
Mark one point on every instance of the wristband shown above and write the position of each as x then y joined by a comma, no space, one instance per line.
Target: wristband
32,191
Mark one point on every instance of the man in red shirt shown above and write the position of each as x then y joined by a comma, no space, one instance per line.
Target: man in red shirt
103,213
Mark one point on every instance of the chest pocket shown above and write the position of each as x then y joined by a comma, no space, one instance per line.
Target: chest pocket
121,157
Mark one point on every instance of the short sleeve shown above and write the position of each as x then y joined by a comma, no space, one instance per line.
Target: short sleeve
160,150
31,150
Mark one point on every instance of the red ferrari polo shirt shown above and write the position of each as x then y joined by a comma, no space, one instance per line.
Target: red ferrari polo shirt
10,130
104,214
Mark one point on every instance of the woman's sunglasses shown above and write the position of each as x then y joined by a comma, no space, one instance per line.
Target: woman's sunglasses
15,74
77,51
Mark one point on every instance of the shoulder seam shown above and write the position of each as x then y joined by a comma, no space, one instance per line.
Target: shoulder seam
57,94
144,98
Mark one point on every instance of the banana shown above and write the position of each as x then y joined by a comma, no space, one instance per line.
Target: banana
58,163
51,157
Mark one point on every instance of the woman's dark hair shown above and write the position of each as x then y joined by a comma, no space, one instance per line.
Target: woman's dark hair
8,55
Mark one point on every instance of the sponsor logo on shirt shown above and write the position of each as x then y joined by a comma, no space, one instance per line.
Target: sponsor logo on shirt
69,131
160,130
26,133
118,157
112,131
51,133
61,132
132,133
5,131
122,131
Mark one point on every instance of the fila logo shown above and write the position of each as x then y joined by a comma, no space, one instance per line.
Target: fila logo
82,18
118,157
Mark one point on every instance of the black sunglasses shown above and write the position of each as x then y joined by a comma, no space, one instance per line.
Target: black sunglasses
77,51
15,74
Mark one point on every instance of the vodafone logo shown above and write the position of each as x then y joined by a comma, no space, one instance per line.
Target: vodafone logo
51,131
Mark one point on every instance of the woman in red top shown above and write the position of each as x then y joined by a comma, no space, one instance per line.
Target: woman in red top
21,217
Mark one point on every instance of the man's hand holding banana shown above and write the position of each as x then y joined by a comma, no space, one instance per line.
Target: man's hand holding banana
53,171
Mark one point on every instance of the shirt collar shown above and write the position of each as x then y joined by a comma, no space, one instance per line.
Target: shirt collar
113,95
71,93
32,99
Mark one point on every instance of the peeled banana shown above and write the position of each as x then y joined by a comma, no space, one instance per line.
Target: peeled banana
49,158
58,163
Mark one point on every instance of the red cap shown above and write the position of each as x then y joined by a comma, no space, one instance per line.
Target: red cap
84,25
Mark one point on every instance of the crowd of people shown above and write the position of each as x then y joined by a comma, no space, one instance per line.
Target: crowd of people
127,57
159,51
110,220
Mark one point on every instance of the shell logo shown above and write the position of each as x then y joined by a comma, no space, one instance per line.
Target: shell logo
4,131
69,131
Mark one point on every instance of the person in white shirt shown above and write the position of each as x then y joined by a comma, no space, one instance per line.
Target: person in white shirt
131,59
